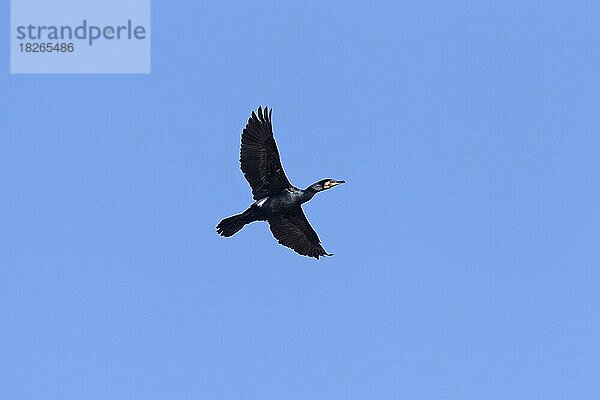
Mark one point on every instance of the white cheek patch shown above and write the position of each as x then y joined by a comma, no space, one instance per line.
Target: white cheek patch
260,202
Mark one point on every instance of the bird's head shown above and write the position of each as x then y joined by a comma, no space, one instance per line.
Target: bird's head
325,184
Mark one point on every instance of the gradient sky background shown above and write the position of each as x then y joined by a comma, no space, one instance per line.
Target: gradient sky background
466,240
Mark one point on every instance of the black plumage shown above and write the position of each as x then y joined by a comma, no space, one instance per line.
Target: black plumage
277,201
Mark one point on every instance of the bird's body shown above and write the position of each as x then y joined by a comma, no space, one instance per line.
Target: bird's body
284,201
277,201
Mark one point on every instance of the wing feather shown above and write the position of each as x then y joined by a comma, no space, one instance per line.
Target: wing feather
294,231
259,157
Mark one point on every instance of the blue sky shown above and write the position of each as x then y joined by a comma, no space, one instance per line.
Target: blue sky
466,239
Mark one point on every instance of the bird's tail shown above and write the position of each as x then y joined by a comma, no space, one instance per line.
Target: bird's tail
231,225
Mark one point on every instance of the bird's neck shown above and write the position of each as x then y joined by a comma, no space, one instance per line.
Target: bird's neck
308,194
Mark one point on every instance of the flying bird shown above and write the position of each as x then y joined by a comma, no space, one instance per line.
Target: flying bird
277,201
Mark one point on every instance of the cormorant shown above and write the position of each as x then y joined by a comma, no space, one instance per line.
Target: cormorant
277,201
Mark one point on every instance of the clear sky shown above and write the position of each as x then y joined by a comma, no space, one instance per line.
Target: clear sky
466,238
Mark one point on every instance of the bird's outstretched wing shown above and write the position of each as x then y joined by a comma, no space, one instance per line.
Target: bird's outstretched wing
294,231
259,157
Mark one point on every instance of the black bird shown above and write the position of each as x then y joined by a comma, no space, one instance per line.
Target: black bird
277,201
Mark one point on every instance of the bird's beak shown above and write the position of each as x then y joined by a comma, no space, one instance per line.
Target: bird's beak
331,183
